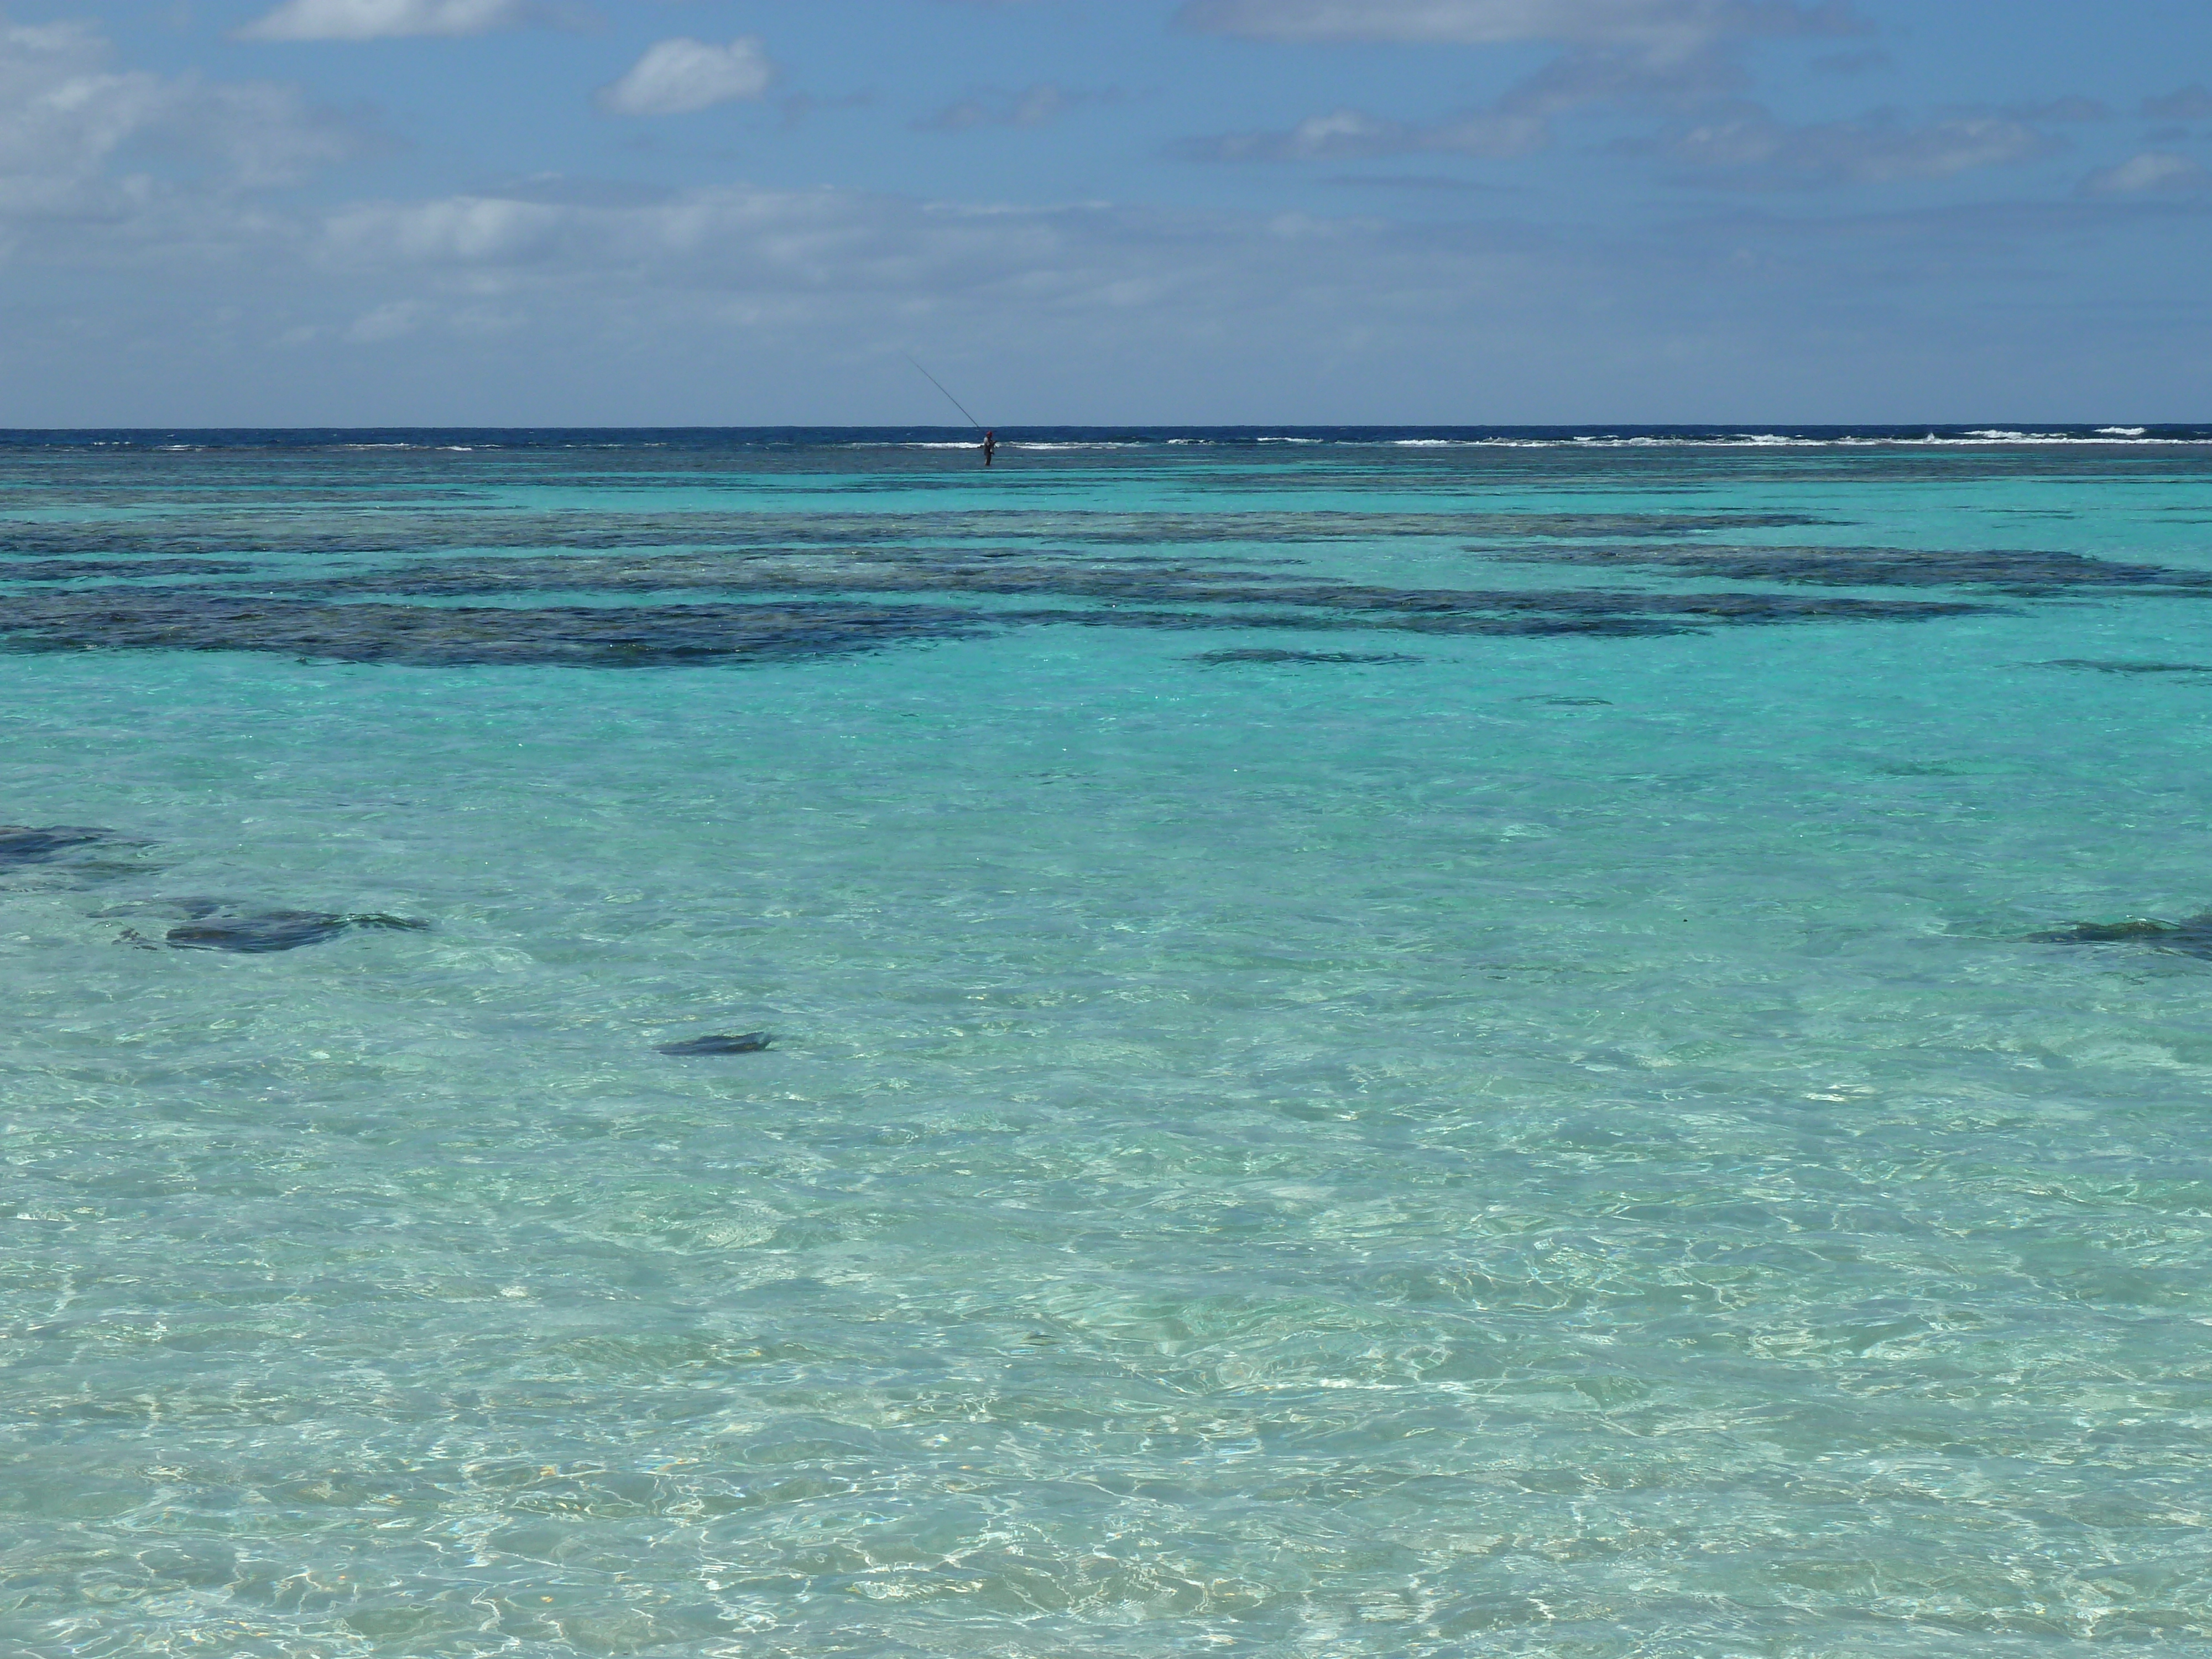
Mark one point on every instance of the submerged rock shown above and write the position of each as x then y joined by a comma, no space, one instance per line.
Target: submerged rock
78,570
2189,938
2025,573
219,925
786,606
2123,667
415,528
606,636
21,844
278,930
748,1042
1262,654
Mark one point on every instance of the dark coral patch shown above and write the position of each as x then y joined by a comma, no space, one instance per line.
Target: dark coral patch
2018,573
1262,655
413,533
258,932
222,925
792,626
2130,667
20,843
599,637
2189,938
1117,583
78,570
747,1042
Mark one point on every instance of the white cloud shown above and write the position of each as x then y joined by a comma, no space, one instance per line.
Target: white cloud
394,321
2191,103
2154,173
69,122
1748,148
381,19
1661,31
1033,106
63,115
776,241
677,76
826,278
454,230
2073,107
562,301
1676,53
1350,135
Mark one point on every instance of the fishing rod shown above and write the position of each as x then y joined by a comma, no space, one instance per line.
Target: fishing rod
939,385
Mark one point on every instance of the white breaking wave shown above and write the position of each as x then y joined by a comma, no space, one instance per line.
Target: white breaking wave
1468,443
1977,440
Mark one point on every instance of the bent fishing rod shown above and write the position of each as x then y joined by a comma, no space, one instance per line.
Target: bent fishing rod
939,385
990,443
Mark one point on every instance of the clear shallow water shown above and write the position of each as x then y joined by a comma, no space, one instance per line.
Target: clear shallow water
1559,1146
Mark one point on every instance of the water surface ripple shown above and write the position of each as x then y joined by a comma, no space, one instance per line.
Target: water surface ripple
1420,1043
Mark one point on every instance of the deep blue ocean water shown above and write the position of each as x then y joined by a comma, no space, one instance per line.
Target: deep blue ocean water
1551,1042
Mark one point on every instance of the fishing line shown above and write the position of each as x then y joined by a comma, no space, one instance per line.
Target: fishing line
939,385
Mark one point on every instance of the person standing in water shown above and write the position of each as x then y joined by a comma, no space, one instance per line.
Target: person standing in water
990,446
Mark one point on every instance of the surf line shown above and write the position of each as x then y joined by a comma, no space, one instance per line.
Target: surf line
990,438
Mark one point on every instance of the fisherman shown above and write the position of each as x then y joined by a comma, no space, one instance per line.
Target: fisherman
990,446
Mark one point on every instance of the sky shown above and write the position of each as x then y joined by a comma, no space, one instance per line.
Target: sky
1459,212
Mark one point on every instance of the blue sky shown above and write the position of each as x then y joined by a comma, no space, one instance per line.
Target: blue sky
1452,211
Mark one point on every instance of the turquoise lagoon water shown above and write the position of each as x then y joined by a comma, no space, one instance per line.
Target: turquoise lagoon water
1378,1047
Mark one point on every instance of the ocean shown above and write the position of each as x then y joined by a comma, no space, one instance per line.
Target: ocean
1355,1044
